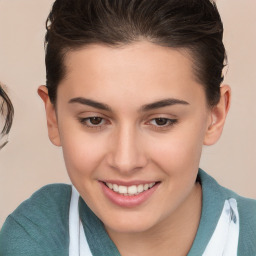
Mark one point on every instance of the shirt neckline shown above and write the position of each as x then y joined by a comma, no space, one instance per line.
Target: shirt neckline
212,203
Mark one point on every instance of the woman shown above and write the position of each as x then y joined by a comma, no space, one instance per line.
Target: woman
133,93
6,111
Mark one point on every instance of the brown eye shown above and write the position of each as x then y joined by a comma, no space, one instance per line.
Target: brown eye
161,121
95,120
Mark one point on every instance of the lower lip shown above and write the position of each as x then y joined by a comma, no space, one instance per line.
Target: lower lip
128,201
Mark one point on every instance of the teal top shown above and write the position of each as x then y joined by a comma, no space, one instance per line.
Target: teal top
40,225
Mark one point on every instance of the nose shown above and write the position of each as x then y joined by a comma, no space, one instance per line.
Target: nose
127,153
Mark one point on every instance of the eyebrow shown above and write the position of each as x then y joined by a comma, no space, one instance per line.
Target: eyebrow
91,103
144,108
163,103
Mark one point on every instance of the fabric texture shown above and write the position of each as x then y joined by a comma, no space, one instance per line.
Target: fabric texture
40,225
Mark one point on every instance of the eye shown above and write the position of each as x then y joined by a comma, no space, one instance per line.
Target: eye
93,122
161,123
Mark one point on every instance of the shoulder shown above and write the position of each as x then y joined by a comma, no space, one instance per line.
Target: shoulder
247,219
246,209
39,226
247,215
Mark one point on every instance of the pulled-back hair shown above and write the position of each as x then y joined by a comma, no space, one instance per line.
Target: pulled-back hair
192,25
6,111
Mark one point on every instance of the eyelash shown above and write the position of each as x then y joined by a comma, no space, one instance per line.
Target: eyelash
169,123
84,121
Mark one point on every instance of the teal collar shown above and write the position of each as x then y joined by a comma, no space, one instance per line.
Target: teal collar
212,205
99,242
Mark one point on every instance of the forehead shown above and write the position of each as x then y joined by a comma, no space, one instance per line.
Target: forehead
143,55
139,68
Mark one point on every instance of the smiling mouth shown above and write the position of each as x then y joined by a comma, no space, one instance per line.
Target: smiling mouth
133,190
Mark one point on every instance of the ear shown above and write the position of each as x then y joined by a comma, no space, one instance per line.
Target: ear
218,116
51,116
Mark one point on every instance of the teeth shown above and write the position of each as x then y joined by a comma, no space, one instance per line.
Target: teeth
122,190
110,185
131,190
151,185
146,187
140,188
115,187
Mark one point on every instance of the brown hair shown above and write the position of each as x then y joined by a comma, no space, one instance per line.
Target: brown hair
7,111
194,25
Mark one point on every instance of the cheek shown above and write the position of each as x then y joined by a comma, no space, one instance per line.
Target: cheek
82,154
180,150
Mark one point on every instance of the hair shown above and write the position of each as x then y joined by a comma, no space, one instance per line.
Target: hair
192,25
7,111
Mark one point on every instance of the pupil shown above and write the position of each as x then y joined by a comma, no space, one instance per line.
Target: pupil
95,120
161,121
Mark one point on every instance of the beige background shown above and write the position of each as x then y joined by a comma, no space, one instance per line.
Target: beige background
29,161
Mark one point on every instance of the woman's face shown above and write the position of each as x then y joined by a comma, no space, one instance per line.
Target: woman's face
130,118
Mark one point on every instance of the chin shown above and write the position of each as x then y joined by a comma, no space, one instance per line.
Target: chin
130,224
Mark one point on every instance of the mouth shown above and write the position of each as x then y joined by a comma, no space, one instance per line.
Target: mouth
130,194
132,190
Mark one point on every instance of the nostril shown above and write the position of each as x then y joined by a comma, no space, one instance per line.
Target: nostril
125,154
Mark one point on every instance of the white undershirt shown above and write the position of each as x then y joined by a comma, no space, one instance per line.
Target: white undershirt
78,245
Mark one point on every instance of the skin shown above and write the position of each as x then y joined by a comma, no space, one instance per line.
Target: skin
129,144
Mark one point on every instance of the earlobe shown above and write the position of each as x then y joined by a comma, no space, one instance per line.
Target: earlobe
218,116
52,122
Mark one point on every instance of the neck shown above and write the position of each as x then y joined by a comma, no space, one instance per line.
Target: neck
173,236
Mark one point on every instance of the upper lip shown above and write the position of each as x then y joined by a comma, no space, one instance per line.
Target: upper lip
129,183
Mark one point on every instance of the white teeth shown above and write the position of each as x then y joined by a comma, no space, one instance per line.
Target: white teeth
115,187
122,190
151,185
146,187
131,190
140,188
110,185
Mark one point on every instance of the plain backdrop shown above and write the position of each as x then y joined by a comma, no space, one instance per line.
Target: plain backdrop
30,161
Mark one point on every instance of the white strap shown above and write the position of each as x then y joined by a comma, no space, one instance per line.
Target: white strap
74,224
224,241
78,245
84,247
